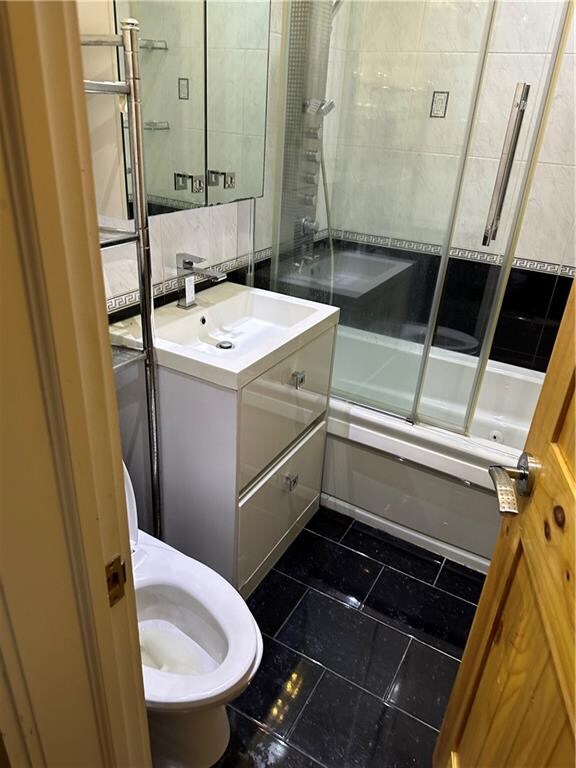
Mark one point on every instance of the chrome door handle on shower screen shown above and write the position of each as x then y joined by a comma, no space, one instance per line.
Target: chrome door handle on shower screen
506,160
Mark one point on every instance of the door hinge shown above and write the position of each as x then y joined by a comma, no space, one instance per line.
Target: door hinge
115,579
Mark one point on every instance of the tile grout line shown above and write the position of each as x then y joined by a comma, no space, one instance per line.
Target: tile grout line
391,683
352,521
393,568
299,715
381,621
381,700
413,717
439,572
371,588
281,627
328,669
340,600
270,732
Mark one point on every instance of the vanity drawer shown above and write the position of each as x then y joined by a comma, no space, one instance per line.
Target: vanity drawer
271,508
280,404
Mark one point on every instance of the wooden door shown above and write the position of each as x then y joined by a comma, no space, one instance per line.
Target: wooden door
513,700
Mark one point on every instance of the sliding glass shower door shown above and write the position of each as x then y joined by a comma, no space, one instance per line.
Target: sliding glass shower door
410,127
522,53
403,78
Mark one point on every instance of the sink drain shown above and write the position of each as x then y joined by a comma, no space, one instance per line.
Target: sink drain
225,345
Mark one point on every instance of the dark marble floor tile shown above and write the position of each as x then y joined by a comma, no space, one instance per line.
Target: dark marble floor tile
273,599
280,688
431,615
393,551
461,581
346,641
423,683
329,568
329,523
252,747
344,727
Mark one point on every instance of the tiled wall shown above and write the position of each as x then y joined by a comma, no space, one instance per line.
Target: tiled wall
393,169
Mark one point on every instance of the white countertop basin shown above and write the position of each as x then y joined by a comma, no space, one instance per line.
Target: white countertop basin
263,327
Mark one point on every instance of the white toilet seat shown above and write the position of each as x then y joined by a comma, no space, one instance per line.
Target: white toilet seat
202,600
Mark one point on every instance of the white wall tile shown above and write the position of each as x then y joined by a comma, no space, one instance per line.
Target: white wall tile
245,227
184,232
376,99
525,26
223,233
226,90
184,24
569,255
452,72
548,223
120,269
156,254
571,39
450,26
254,92
426,194
386,26
367,195
558,145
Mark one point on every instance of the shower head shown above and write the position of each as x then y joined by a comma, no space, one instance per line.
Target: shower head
312,106
326,107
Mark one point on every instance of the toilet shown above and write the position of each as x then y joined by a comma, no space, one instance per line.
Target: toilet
200,648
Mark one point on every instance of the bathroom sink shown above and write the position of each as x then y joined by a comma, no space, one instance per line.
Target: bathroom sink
232,334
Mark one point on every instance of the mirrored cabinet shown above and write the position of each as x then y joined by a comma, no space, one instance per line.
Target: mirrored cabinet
204,70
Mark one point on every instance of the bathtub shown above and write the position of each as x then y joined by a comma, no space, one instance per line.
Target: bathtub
423,483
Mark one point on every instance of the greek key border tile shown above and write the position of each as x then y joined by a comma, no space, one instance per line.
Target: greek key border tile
124,300
533,265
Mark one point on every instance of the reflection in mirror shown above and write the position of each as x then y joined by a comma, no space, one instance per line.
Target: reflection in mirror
172,82
236,77
181,81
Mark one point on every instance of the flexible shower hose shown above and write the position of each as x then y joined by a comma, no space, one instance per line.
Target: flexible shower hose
328,223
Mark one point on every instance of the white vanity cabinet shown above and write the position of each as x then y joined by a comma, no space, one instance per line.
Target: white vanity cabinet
242,467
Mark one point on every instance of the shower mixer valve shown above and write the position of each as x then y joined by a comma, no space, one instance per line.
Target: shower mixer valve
309,226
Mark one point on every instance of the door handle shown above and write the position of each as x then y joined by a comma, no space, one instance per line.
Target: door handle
524,474
506,161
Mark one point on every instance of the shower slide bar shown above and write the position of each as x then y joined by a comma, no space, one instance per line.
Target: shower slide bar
128,40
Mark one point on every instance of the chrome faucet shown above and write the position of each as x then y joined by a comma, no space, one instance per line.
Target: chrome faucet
186,267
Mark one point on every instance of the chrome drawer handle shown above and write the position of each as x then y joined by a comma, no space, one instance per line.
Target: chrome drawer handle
298,378
524,474
290,482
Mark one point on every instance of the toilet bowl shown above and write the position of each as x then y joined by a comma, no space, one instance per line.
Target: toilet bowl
200,648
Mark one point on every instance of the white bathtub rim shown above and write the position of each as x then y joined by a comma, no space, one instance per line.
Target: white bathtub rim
459,456
442,548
